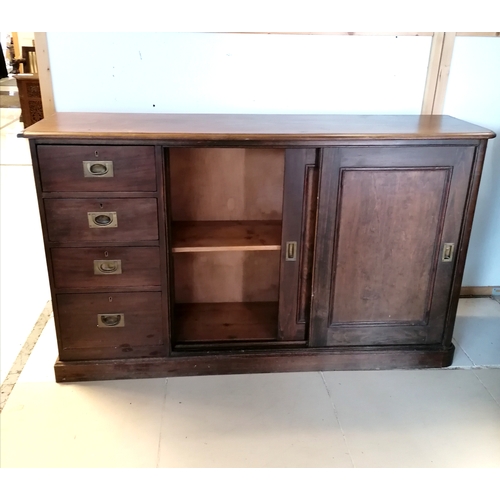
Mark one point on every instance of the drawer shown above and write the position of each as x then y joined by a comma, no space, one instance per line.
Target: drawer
120,220
110,323
106,267
97,168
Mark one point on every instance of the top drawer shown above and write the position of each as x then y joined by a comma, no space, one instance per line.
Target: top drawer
97,168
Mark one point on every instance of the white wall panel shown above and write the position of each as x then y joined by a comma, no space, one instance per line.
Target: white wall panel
474,95
233,73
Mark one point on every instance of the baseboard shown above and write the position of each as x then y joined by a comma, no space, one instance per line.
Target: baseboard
477,291
309,359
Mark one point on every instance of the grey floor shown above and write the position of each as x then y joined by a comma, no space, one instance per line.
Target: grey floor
414,418
411,418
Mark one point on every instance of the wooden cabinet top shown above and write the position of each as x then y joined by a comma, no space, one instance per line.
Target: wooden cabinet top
252,128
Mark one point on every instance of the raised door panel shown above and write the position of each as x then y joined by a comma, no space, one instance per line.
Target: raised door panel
387,216
390,220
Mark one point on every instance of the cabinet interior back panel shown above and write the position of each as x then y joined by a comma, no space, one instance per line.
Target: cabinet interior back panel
227,277
226,184
388,236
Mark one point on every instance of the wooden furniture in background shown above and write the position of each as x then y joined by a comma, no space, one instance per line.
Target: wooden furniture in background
30,98
204,244
30,63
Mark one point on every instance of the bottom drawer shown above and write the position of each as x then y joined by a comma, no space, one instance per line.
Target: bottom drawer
109,325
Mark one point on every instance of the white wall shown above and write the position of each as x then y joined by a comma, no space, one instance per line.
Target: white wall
474,95
25,39
230,73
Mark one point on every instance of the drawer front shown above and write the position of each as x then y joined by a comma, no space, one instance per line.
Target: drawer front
121,220
106,267
97,168
121,321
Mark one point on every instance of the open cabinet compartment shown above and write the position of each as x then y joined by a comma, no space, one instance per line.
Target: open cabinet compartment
226,210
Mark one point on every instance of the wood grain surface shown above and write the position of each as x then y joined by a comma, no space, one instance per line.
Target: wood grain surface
252,127
219,236
215,322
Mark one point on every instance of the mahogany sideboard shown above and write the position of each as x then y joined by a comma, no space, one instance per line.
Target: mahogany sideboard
214,244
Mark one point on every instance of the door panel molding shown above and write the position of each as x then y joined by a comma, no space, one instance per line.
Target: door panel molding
369,189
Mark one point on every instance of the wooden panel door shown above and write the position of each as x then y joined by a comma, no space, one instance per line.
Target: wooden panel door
389,219
297,245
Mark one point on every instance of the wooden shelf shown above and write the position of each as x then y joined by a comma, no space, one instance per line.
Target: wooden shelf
220,236
226,321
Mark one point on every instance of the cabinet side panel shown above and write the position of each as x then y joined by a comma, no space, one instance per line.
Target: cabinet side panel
388,235
473,189
43,220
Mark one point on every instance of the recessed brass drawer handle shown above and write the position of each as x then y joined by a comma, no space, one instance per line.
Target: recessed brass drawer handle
98,169
102,219
107,267
110,320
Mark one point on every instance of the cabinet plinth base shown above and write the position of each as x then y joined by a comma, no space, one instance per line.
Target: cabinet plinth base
255,362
